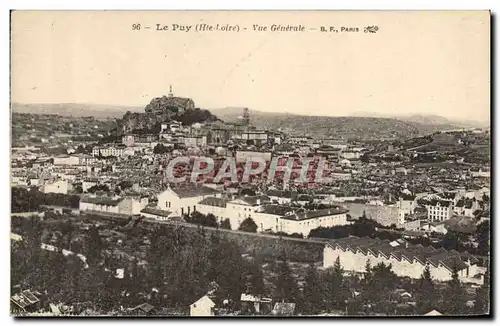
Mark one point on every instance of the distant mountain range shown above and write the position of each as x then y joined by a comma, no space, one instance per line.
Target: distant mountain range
75,109
430,119
358,124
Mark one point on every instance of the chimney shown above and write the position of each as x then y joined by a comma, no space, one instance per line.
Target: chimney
258,201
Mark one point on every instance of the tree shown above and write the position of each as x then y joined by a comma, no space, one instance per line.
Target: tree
338,271
195,217
312,293
32,235
160,149
451,241
96,188
226,267
427,296
210,220
368,274
482,299
383,276
335,232
199,218
248,225
378,284
285,284
336,291
483,238
160,239
226,224
255,279
364,227
67,230
93,246
454,298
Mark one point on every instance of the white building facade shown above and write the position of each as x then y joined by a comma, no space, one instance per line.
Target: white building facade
407,261
182,201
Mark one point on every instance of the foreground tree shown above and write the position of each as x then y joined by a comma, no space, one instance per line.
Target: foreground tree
313,292
248,225
427,296
226,267
210,220
378,286
93,246
285,284
336,291
226,224
482,299
255,279
454,298
483,238
368,276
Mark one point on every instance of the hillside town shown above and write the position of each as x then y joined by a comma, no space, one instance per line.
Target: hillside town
264,222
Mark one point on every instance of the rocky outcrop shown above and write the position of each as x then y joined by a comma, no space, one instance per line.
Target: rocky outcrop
165,109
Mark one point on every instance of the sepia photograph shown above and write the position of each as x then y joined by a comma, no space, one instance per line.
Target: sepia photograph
250,163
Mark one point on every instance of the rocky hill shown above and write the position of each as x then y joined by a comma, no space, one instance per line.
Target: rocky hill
164,109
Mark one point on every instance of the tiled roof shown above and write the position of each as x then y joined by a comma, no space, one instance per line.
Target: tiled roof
101,201
328,148
255,200
280,193
407,197
154,211
276,209
435,202
186,192
448,259
213,201
316,213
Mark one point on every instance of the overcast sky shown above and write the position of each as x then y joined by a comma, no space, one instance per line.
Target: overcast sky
418,62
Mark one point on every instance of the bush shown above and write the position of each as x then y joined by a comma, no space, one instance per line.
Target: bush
226,224
201,219
24,200
248,225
